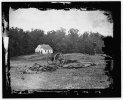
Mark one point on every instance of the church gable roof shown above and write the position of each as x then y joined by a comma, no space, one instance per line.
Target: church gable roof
46,47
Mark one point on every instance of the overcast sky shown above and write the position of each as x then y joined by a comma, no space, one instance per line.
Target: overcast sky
94,21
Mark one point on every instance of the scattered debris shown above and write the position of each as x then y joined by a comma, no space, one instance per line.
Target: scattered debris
70,61
79,65
69,64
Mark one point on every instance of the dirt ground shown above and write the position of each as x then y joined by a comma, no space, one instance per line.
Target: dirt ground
80,78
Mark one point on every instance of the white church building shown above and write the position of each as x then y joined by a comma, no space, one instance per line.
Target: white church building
43,49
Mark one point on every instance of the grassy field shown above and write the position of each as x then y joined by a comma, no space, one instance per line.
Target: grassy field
80,78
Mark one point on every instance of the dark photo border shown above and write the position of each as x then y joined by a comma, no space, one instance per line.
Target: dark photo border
114,7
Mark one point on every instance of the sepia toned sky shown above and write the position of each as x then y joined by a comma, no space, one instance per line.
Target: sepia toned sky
48,20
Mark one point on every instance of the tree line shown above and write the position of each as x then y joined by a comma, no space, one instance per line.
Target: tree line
24,42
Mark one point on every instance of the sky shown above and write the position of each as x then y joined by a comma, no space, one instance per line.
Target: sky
48,20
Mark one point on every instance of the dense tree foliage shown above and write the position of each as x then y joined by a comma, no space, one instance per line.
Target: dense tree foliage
24,42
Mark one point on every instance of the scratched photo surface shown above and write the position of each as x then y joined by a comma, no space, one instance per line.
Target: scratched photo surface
57,49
